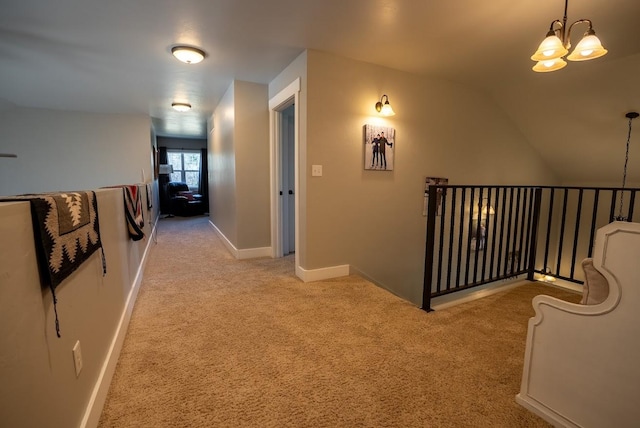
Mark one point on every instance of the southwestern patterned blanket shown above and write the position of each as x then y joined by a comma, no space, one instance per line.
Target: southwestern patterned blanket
66,232
132,210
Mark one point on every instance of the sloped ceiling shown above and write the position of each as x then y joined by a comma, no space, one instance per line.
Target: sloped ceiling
113,57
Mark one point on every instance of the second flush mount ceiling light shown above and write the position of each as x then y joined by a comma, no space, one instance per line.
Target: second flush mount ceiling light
181,106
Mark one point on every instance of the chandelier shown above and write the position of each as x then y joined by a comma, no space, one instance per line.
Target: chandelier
550,53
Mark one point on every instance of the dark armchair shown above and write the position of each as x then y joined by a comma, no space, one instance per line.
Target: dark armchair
182,201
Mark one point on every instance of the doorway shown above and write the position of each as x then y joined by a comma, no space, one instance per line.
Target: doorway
287,180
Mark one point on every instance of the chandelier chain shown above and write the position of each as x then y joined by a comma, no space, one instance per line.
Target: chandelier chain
624,174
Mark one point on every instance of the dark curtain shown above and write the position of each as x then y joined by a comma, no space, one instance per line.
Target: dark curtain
163,179
204,178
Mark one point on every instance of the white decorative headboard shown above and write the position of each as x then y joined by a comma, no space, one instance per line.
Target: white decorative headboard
582,363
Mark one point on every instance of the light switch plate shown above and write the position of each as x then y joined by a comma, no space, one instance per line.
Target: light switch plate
316,170
77,358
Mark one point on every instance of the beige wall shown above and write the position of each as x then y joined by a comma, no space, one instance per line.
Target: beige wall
239,167
61,150
369,220
222,167
372,220
39,387
252,164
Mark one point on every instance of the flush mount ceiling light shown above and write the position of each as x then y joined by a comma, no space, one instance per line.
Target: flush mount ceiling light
181,106
188,54
558,42
384,109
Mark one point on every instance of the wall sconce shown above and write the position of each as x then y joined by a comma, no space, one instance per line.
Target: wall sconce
558,41
631,115
547,276
181,107
188,54
384,109
165,169
485,209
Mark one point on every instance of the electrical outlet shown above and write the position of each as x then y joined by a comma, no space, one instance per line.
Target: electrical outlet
77,358
316,170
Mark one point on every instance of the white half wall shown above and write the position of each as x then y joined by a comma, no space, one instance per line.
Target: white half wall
39,386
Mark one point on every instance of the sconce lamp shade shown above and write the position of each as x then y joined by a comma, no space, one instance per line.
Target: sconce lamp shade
485,209
188,54
550,48
549,65
589,47
488,210
385,108
165,169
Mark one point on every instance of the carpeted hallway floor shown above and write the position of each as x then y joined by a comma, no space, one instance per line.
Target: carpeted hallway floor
219,342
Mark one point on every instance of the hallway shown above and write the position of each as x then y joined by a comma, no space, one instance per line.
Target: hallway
219,342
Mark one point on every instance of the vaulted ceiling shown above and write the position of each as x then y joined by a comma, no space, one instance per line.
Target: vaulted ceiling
113,57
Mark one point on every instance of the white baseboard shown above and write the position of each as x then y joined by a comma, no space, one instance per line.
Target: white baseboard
303,274
94,408
252,253
248,253
322,273
449,300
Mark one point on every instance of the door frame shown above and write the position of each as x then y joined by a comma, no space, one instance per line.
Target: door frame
283,99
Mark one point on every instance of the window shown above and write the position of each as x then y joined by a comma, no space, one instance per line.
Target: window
186,167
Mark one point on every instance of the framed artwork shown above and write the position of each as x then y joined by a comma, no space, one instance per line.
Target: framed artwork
379,147
434,181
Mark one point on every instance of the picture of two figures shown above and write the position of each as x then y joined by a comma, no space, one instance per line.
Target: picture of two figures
379,146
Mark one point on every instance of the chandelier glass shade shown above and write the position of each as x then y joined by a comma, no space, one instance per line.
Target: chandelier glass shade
588,48
550,48
549,65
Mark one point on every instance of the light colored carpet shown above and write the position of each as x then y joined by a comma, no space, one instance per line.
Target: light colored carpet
219,342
